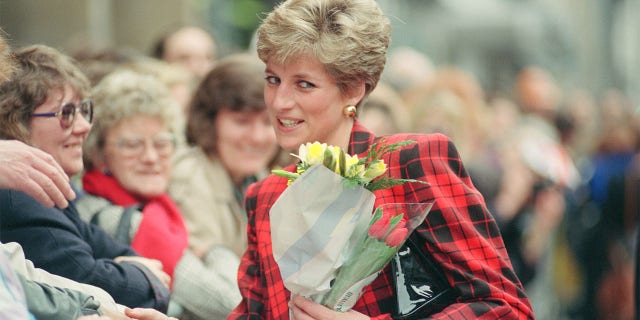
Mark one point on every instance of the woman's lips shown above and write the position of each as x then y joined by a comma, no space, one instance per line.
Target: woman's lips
289,123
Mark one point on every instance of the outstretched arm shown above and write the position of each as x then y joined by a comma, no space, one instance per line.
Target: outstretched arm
146,314
34,172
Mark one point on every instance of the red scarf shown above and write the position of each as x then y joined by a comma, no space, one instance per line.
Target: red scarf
162,234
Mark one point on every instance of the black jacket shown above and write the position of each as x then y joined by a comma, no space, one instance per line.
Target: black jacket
60,242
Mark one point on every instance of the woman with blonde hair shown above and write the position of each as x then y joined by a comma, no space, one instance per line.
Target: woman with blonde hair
323,57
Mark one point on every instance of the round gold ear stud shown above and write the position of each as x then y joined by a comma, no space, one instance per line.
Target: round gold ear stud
350,111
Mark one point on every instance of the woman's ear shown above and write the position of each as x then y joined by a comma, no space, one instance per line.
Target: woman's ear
355,94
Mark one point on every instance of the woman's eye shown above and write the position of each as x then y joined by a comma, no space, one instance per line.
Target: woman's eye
132,144
306,85
272,80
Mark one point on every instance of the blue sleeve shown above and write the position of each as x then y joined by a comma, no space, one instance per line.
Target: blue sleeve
60,242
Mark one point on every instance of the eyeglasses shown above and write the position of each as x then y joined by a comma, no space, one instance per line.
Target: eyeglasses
67,112
164,144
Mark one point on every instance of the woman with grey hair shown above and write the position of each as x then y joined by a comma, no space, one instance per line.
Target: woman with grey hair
129,154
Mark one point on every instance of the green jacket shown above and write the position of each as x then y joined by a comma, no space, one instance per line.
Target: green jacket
53,303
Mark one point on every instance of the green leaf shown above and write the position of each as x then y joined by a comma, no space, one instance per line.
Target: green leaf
329,161
286,174
350,183
384,183
377,214
342,160
302,167
378,149
393,222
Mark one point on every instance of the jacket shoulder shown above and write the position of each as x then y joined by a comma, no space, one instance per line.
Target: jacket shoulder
419,138
186,160
194,173
17,207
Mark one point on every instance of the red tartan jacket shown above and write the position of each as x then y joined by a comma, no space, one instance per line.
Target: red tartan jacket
459,232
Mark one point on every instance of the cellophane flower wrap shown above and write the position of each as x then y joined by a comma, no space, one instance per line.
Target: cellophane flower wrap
327,239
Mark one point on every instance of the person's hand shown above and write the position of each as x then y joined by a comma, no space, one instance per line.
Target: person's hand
303,309
200,251
155,266
34,172
146,314
112,314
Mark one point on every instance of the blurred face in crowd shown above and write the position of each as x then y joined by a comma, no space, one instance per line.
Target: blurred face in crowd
306,105
138,154
192,48
49,135
245,142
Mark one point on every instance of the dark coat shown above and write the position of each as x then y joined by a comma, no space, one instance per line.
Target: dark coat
59,242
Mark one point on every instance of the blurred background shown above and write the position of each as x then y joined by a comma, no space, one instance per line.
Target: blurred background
590,44
541,97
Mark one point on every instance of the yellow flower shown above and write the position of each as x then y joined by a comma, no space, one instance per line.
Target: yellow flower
312,153
375,169
335,154
353,169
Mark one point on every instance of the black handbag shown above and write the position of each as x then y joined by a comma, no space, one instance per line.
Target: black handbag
420,286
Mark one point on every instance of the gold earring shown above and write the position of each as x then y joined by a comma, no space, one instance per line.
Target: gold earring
349,111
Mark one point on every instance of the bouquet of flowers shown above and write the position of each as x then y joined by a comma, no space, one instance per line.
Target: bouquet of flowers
355,171
326,242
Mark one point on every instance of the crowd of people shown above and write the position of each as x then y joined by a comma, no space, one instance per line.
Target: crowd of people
556,166
137,186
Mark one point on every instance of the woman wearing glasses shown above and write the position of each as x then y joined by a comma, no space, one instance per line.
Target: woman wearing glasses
128,160
44,105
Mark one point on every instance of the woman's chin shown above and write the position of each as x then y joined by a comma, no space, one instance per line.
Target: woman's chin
150,194
72,170
150,188
290,143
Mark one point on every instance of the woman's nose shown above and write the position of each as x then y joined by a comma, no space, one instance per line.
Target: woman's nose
150,153
81,124
281,98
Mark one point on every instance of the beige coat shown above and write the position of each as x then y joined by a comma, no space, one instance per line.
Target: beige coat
205,194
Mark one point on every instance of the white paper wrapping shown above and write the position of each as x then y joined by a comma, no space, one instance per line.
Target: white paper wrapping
311,225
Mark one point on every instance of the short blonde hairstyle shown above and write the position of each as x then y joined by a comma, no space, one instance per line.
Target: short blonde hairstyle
350,37
124,94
